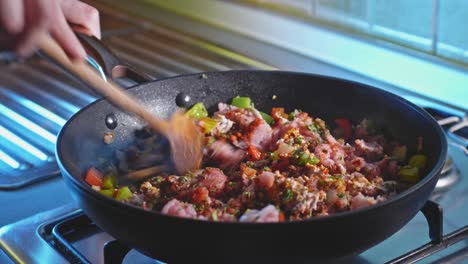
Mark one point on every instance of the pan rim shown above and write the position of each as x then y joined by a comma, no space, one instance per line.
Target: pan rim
435,172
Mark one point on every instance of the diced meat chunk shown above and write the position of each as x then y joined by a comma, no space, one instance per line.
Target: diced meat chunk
224,155
361,201
260,134
266,179
201,195
214,180
268,214
177,208
372,151
355,164
241,116
324,152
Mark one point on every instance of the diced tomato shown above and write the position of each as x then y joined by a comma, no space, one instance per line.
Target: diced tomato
94,177
254,153
346,125
281,217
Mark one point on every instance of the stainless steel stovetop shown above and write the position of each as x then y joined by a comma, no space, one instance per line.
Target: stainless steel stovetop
66,235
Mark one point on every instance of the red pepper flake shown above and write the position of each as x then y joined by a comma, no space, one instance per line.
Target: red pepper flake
281,217
233,138
254,153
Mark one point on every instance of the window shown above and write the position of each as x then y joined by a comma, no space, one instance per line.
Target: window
436,27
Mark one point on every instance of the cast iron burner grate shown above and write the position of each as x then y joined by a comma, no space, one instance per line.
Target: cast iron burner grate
64,235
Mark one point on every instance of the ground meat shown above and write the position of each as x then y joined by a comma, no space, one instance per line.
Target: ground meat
267,214
177,208
372,151
361,201
293,169
324,152
259,134
266,179
224,155
214,180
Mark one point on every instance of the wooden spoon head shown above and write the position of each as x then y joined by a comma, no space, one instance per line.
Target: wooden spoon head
186,143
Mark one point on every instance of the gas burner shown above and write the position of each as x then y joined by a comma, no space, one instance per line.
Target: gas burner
448,166
449,176
459,133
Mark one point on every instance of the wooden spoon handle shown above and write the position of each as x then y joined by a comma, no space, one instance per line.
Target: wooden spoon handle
109,89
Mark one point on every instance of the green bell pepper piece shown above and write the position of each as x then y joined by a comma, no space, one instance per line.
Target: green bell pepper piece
208,124
108,192
418,161
241,102
123,193
109,182
197,111
266,117
409,174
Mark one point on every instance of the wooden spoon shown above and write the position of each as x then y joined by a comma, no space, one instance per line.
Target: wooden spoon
185,139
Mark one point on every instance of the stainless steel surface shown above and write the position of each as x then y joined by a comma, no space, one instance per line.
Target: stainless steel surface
36,97
15,238
449,175
35,101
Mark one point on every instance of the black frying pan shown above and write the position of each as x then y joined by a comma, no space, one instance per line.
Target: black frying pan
80,145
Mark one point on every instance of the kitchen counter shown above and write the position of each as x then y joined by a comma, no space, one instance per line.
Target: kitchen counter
21,203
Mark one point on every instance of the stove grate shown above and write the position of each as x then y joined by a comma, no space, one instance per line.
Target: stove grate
63,233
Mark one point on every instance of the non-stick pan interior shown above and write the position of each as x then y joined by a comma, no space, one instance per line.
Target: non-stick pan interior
81,142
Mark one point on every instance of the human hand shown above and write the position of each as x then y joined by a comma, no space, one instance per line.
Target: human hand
24,22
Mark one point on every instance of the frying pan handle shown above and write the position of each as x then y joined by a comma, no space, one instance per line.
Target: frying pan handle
111,66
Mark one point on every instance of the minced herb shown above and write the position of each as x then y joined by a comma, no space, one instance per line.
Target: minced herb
336,177
322,182
287,195
312,128
210,141
184,178
199,207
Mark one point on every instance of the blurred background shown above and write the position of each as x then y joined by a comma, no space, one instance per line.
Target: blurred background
431,26
417,45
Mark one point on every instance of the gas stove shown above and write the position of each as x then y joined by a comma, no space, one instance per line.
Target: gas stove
62,233
436,235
